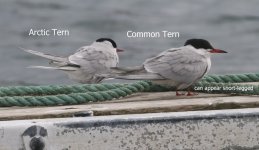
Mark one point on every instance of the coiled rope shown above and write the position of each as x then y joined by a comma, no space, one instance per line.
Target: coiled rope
78,94
232,78
55,89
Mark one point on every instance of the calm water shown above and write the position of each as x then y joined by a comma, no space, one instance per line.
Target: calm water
232,25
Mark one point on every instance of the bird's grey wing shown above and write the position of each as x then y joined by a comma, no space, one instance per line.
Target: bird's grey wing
181,65
93,60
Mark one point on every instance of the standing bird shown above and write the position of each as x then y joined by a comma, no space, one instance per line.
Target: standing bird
180,67
86,62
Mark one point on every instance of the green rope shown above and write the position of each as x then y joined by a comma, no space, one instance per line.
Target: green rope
55,89
77,94
67,89
232,78
74,98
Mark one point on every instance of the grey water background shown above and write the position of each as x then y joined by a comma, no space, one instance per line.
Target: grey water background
232,25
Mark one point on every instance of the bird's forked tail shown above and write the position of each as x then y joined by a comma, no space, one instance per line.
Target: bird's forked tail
48,56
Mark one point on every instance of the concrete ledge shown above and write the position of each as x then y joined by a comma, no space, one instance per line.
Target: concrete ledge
218,129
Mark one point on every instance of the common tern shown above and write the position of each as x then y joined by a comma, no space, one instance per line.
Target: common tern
180,67
86,62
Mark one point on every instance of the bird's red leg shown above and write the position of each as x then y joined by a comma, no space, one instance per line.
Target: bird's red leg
179,94
189,93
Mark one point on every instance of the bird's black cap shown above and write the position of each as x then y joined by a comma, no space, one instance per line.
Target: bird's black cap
107,39
199,43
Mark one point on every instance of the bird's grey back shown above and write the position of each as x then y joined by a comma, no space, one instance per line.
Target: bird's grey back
178,64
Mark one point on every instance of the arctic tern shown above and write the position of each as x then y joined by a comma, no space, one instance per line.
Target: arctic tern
86,62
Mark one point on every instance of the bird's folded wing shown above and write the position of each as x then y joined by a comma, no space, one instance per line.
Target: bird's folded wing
178,64
92,59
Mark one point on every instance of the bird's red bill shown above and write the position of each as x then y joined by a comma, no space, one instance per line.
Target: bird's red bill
119,50
217,51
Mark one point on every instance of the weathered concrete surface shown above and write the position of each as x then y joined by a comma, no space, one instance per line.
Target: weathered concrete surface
135,104
201,130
